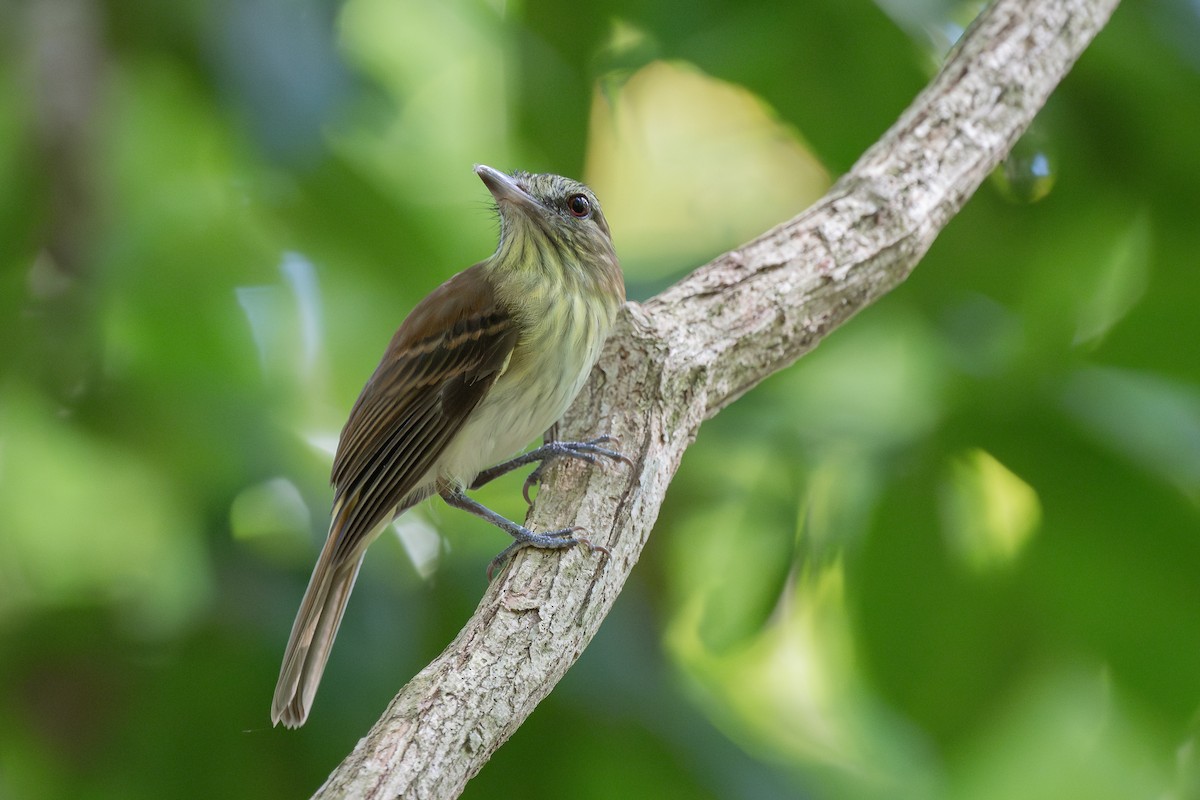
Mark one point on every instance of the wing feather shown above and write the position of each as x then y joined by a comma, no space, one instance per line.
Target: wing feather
438,367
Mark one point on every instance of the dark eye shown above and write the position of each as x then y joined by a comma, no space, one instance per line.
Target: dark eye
579,205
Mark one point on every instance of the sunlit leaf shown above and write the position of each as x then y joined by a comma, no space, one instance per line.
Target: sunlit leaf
989,512
1119,284
1064,737
270,511
689,166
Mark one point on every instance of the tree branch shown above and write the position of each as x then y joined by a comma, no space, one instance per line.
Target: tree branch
685,355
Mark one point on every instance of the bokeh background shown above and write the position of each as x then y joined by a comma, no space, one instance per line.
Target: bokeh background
954,553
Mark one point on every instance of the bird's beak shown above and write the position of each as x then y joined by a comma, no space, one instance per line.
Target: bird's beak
505,189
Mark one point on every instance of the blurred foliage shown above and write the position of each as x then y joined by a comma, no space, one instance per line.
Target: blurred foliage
952,553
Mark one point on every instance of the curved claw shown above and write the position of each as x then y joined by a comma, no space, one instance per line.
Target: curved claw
585,451
500,559
532,479
552,540
594,446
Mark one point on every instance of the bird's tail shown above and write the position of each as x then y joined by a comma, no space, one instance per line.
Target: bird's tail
312,636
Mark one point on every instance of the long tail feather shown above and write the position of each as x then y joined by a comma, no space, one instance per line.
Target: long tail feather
312,636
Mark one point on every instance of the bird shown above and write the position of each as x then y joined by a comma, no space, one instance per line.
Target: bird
479,368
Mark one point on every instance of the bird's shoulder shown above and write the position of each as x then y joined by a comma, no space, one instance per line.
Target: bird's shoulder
464,309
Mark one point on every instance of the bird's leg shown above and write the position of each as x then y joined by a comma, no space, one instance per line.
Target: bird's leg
586,451
522,536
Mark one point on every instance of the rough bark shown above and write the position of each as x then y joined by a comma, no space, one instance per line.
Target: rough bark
686,354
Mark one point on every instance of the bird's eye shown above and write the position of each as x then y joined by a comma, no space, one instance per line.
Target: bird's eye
579,205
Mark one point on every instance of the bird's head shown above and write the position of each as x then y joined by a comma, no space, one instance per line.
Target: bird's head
548,219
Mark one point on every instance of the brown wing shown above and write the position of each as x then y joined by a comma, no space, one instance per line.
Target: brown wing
439,365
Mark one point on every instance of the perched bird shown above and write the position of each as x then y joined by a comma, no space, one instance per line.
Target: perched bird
484,364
